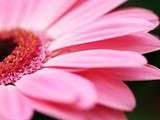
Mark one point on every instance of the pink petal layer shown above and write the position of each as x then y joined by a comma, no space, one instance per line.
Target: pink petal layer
68,113
11,13
82,15
59,86
137,12
14,106
138,42
97,58
147,72
107,27
44,12
112,92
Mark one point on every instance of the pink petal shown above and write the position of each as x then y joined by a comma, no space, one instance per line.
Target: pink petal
137,12
138,42
147,72
97,58
11,13
44,12
59,86
68,113
83,14
112,92
106,27
14,106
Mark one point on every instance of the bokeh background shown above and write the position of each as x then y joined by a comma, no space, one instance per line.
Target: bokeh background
147,93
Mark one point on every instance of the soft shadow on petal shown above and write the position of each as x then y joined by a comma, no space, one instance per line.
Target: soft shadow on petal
59,86
138,42
112,92
69,113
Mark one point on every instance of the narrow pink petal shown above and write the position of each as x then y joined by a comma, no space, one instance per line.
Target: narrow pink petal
137,12
45,13
69,113
138,42
14,106
106,30
97,58
106,27
112,92
147,72
83,14
59,86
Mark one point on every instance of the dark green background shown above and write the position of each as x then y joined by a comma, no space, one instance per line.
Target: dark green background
147,93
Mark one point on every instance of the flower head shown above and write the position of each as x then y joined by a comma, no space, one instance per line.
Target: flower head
69,58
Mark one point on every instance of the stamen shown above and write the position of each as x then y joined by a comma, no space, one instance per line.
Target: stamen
24,54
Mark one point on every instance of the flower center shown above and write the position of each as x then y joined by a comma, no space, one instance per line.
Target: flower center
21,53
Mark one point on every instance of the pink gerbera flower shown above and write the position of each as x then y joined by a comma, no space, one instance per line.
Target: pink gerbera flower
68,58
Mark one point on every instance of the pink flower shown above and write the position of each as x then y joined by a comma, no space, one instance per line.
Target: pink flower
68,58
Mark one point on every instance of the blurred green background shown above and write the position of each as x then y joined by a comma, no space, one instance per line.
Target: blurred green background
147,93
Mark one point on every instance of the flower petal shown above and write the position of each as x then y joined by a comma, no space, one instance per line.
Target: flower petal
83,14
138,42
137,12
112,92
14,106
45,13
147,72
69,113
11,13
106,27
59,86
97,58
